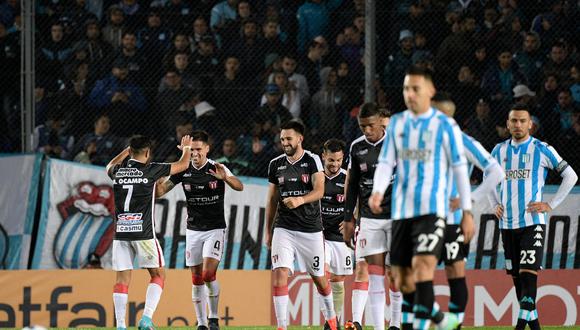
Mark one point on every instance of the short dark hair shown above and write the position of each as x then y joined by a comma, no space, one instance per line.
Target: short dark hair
295,125
372,109
415,70
442,97
101,115
139,143
200,135
520,107
334,145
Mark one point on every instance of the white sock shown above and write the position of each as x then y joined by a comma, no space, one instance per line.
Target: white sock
327,306
359,300
338,297
120,302
152,297
377,300
281,308
213,292
396,303
199,302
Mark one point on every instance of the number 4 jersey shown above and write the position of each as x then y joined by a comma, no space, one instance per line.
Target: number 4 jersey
134,190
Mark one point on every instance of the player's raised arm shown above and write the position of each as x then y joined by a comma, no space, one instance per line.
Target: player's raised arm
271,208
223,173
183,163
118,159
163,186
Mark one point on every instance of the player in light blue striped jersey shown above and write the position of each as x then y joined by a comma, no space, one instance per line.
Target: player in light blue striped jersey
521,209
455,251
425,145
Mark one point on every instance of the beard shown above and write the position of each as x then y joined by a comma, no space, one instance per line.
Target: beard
290,150
333,170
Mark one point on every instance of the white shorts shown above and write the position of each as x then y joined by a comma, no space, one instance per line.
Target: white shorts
148,252
338,257
357,256
374,237
203,244
306,248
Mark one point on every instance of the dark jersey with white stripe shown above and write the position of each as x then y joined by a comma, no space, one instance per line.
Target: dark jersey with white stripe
204,194
294,179
362,164
134,191
333,206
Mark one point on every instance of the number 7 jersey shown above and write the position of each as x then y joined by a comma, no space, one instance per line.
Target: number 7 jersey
134,190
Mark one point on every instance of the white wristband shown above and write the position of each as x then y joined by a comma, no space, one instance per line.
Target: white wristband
187,147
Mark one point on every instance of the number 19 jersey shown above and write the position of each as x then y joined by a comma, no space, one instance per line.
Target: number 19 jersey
134,191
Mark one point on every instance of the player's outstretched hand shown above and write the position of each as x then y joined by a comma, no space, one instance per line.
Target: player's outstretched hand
454,204
348,233
293,202
219,173
375,203
467,226
499,211
539,207
185,142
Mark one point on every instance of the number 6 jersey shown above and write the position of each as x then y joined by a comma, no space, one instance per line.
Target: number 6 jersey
134,190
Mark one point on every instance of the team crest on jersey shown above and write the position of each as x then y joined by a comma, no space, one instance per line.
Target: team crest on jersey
526,158
280,180
305,178
363,167
340,198
212,184
86,224
187,187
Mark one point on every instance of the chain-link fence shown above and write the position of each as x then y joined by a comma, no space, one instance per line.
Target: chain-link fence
108,69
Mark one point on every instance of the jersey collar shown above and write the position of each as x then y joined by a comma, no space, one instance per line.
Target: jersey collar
297,160
199,168
520,145
375,143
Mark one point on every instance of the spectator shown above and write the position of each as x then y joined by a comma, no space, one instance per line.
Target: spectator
563,111
350,47
181,66
154,38
9,72
248,50
482,127
98,51
74,98
167,150
289,65
501,78
204,63
558,61
77,15
479,62
230,158
270,41
134,13
421,52
455,47
231,97
547,100
310,65
397,64
53,55
200,29
181,44
466,93
328,108
230,31
123,99
523,95
100,145
113,31
50,138
222,12
349,84
178,14
575,81
313,20
530,59
290,96
8,11
570,141
136,59
201,113
271,115
172,97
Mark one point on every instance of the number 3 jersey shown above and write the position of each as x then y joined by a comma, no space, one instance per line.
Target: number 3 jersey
204,194
134,190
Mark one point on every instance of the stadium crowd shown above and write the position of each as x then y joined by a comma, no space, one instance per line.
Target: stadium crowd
106,69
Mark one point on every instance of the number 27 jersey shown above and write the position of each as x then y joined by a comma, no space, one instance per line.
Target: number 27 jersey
134,190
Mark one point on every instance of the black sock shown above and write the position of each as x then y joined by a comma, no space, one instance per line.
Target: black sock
407,310
521,325
534,325
528,301
437,315
518,286
458,295
424,299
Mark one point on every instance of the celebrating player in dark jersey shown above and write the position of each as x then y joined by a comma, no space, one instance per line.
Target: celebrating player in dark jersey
296,185
134,186
374,238
204,184
338,257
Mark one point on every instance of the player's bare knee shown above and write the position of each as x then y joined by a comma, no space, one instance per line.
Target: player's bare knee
337,278
280,277
362,272
208,275
406,283
455,270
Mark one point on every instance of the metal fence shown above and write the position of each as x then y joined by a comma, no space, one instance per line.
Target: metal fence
105,70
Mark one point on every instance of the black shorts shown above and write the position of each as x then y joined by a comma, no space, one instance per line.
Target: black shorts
523,248
421,235
455,248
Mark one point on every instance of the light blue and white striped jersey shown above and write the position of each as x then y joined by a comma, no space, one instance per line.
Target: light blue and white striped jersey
477,156
526,166
424,148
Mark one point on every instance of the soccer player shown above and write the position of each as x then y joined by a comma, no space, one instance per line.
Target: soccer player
204,187
338,257
456,250
520,209
296,185
134,187
425,145
373,240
